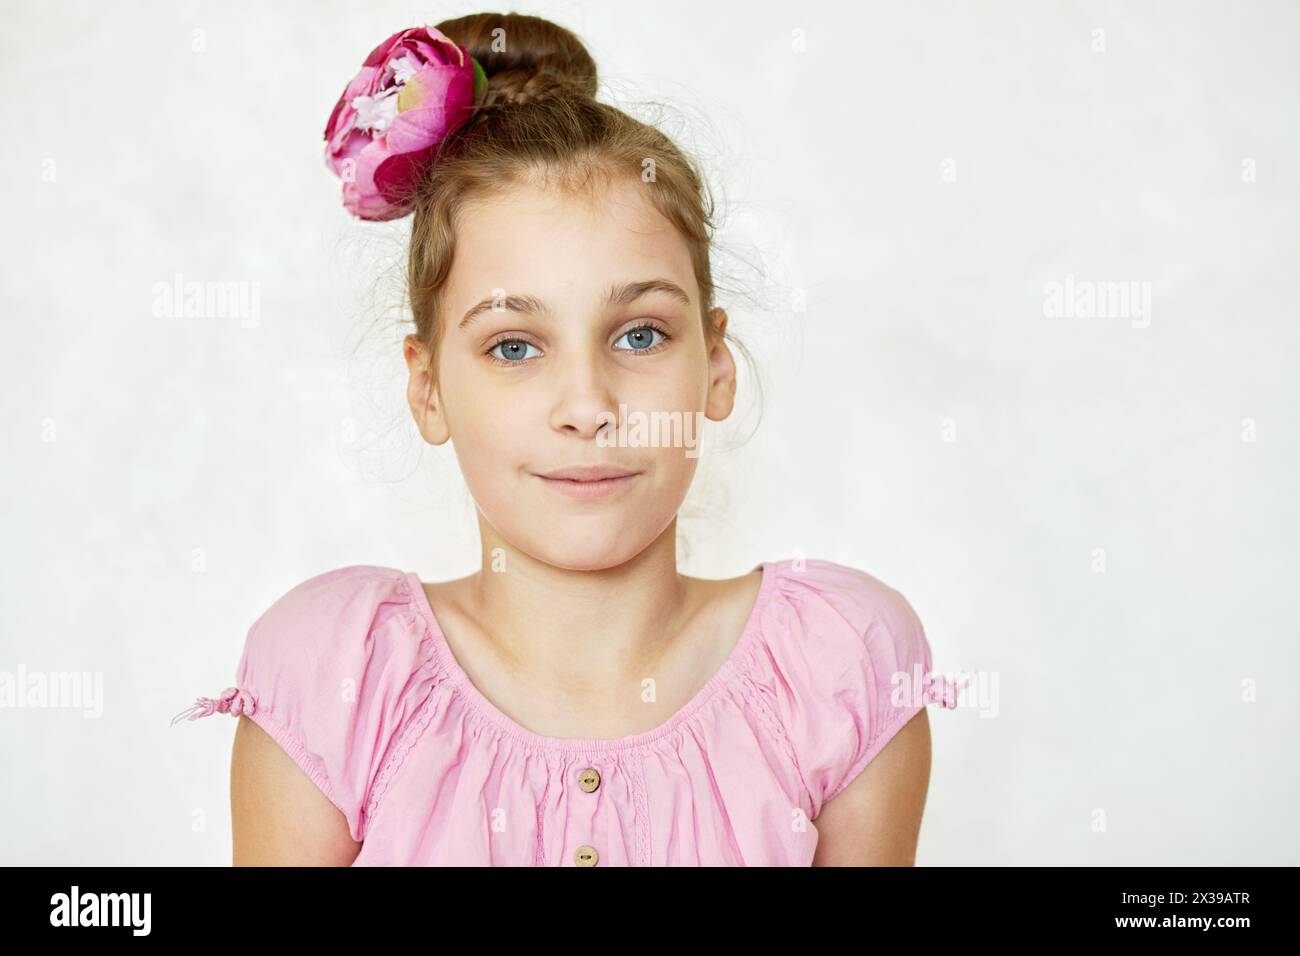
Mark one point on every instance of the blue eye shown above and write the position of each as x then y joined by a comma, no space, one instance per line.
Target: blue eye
516,350
642,337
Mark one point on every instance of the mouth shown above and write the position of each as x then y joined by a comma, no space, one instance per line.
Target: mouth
588,483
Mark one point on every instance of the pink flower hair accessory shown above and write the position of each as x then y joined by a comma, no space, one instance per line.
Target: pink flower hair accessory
413,91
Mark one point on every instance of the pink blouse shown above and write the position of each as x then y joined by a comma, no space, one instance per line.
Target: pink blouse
351,674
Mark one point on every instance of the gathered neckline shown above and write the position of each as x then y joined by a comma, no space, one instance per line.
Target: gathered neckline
484,707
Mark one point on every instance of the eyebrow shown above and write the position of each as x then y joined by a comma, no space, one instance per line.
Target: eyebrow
624,293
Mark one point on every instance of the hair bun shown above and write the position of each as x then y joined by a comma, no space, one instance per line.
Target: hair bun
421,84
526,58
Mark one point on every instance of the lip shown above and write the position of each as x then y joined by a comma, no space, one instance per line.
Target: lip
588,473
588,482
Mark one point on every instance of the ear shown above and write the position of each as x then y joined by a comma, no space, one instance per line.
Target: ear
721,397
426,404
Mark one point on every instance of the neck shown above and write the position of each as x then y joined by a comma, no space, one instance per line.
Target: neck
585,634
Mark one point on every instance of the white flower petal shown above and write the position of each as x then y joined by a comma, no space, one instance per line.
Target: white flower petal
376,113
405,67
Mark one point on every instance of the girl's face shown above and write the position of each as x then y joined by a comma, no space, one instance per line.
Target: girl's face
558,311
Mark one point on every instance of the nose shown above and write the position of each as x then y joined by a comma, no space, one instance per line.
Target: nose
585,398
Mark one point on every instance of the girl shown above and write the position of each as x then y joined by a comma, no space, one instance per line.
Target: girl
577,701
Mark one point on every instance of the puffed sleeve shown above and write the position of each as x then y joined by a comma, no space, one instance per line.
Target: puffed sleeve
327,671
854,666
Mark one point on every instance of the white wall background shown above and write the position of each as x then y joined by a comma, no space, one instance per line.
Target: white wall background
924,419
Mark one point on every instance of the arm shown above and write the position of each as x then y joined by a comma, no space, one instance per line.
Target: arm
278,815
876,819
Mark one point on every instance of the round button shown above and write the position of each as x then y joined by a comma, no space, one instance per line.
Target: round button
585,855
588,780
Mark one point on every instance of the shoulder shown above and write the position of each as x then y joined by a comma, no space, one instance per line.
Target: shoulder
838,604
333,669
847,587
349,635
346,589
328,612
848,665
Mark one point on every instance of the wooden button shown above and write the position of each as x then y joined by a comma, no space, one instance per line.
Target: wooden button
588,780
585,855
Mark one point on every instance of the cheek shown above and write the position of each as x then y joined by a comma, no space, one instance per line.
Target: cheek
490,465
678,385
494,438
471,401
676,469
488,431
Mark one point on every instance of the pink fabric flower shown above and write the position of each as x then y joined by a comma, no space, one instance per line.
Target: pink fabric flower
412,91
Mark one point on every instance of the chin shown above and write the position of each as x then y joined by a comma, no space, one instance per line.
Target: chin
584,545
